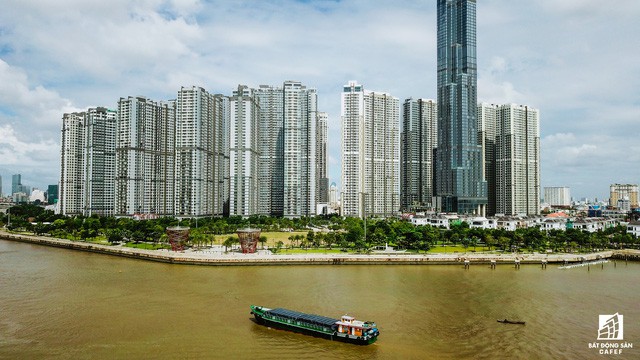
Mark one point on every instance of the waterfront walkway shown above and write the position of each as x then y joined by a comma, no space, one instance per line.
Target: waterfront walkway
215,255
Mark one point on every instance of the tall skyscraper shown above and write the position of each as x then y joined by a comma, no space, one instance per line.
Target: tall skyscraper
87,176
16,182
370,152
287,146
322,187
1,193
418,142
459,178
17,187
199,137
145,155
244,114
517,160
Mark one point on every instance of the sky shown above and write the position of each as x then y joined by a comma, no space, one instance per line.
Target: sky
577,61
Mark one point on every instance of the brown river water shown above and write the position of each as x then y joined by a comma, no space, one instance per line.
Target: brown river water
63,304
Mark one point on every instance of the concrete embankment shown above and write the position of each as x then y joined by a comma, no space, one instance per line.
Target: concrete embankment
265,258
630,255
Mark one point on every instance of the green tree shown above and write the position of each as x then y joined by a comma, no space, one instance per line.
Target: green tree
278,247
504,242
114,235
489,240
229,243
330,239
311,237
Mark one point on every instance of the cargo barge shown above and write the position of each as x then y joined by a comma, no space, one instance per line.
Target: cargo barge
346,329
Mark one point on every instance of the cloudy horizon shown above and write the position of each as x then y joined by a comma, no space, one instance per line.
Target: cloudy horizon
573,60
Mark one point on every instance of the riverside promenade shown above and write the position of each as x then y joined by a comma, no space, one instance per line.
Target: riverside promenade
215,256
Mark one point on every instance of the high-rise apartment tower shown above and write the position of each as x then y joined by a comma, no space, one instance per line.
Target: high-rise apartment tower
244,114
517,160
199,140
322,187
145,157
418,142
87,174
370,152
287,147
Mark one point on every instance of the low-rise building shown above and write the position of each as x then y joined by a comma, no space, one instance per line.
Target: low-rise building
482,223
554,224
633,228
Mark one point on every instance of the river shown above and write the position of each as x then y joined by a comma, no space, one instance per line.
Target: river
63,304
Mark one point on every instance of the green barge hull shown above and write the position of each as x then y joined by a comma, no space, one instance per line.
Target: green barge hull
314,325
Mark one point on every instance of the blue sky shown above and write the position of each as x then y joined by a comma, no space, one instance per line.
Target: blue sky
575,60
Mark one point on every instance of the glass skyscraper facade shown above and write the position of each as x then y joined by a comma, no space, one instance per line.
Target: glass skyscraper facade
460,183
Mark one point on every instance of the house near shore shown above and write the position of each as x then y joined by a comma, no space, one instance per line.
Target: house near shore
556,221
633,228
482,223
594,224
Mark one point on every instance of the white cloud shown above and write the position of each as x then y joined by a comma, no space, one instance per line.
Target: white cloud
26,152
37,104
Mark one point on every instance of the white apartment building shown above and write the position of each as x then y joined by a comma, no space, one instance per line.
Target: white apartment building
244,114
322,187
300,116
287,147
487,122
517,160
419,139
557,196
200,120
270,150
72,164
145,157
370,152
87,171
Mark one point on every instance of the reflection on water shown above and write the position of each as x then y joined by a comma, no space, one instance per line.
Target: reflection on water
61,304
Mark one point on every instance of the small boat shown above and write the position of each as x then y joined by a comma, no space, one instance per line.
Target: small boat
505,321
346,329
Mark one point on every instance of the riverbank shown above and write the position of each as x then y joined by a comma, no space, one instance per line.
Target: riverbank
215,256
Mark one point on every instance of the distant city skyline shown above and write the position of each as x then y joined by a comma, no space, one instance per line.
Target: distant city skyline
554,56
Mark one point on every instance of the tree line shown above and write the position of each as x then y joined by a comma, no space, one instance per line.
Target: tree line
348,234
